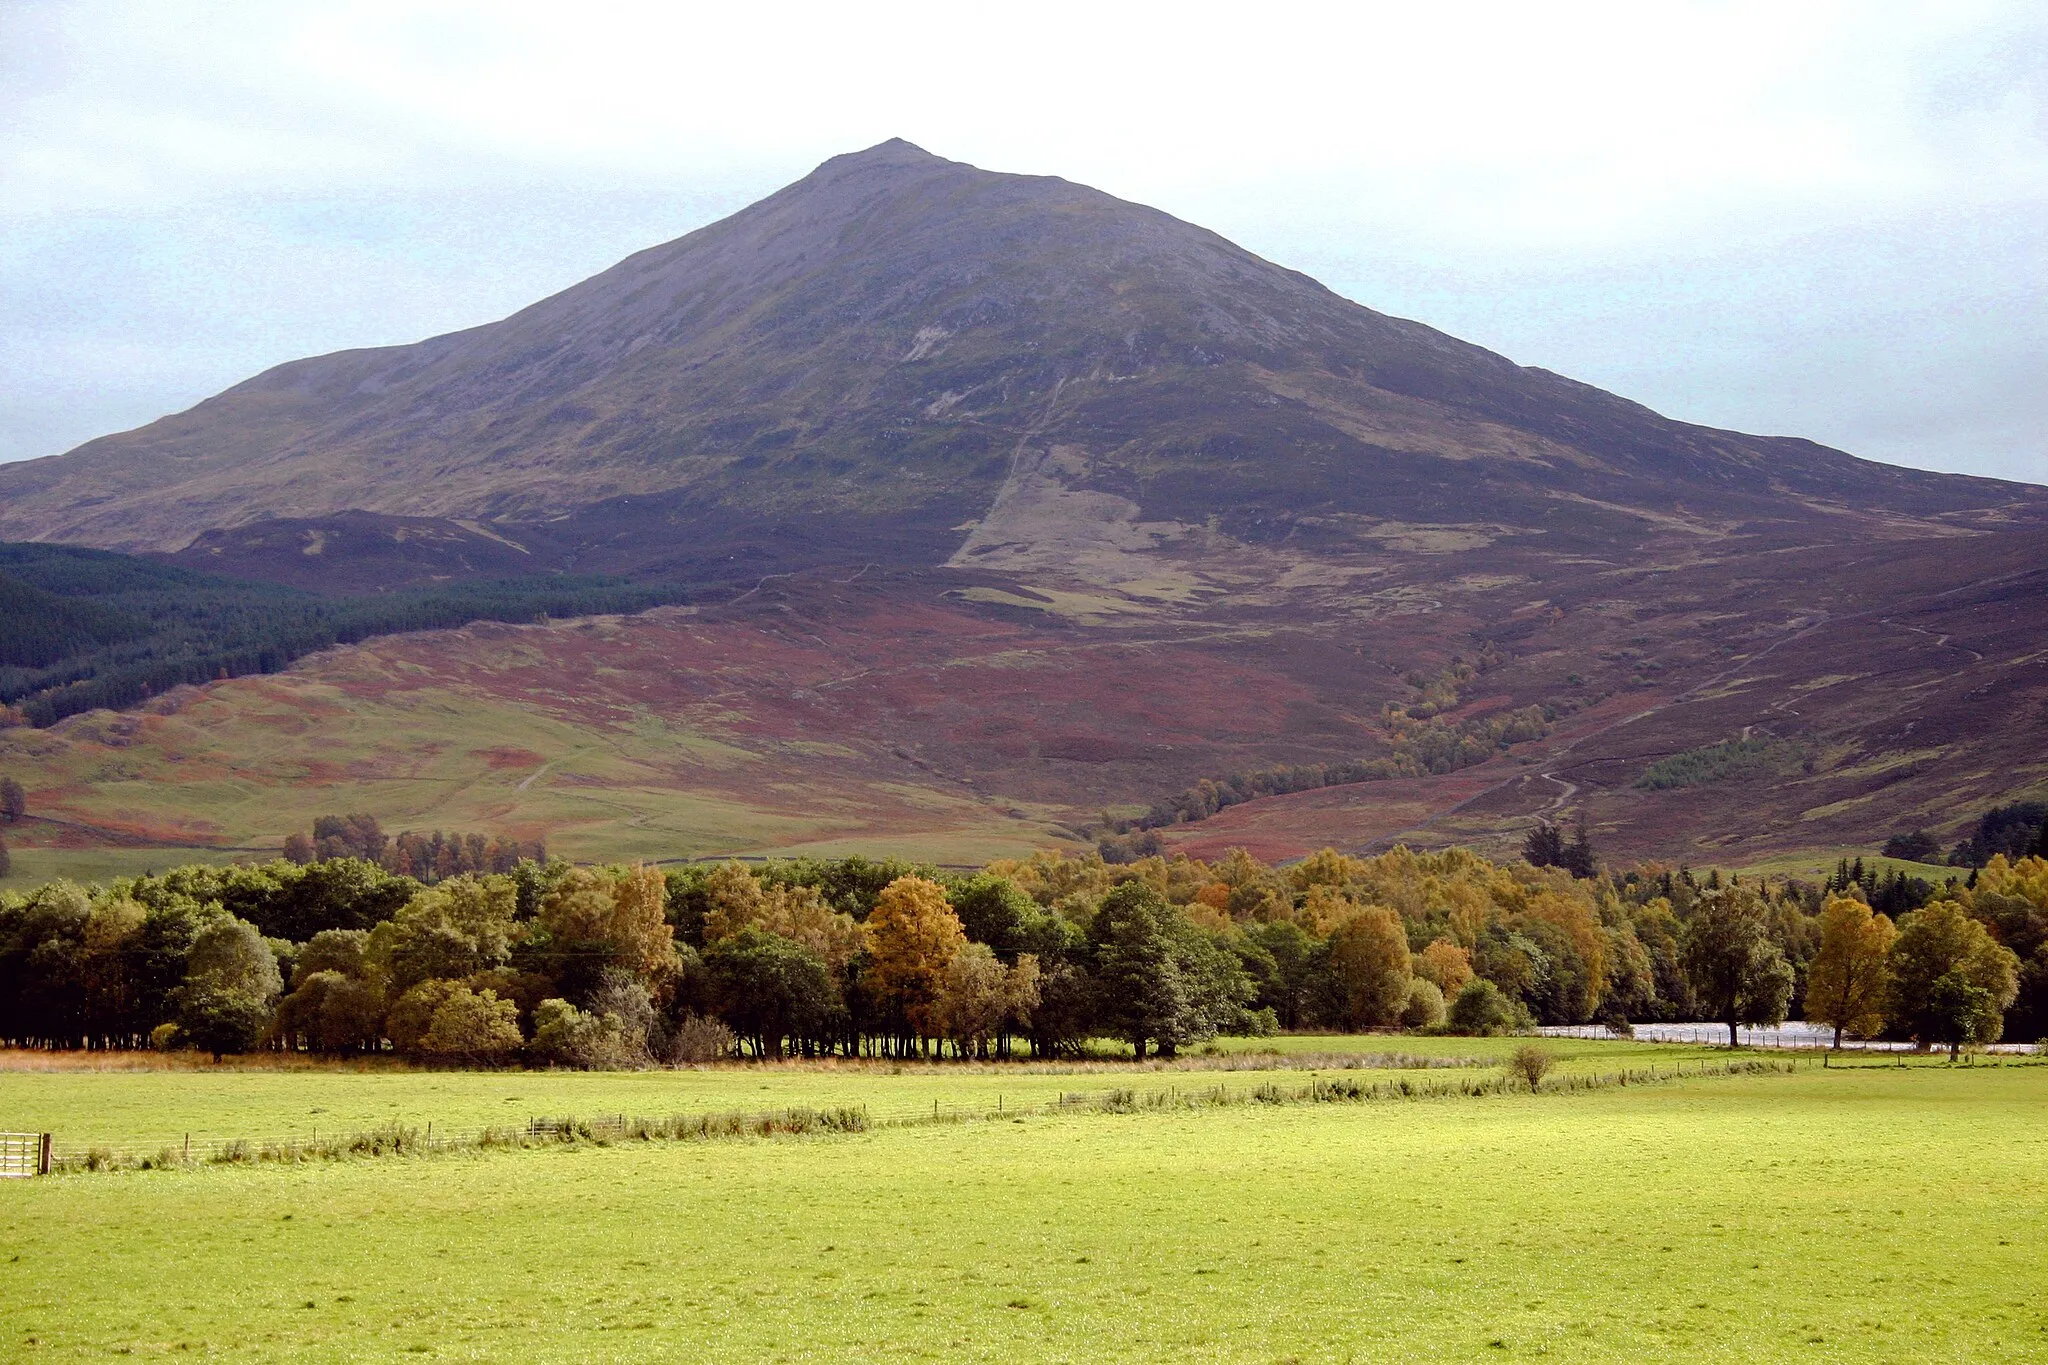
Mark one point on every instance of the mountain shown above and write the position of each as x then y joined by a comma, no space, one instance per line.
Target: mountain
999,503
868,357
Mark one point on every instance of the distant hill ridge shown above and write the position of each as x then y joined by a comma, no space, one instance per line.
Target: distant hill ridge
907,359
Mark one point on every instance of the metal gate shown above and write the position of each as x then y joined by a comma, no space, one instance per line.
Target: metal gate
23,1154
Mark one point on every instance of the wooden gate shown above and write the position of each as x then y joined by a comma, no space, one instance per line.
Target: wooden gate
23,1154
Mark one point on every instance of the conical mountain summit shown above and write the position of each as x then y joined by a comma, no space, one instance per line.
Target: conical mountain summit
901,357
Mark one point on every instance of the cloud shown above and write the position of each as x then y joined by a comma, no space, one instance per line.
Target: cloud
1808,218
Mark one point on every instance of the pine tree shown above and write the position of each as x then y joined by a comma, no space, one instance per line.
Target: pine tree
1545,846
1578,857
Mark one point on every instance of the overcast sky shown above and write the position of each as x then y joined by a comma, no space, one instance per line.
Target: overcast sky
1827,220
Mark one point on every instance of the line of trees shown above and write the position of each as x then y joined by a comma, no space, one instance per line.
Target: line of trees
2018,829
621,966
425,857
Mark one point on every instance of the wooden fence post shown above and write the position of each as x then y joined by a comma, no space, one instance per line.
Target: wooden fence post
43,1158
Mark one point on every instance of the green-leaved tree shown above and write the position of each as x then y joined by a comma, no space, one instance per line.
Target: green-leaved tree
1938,942
1738,974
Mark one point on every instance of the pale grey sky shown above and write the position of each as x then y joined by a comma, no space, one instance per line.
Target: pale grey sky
1821,219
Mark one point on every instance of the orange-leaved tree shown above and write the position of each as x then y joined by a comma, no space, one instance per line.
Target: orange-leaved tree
1446,964
913,936
1845,986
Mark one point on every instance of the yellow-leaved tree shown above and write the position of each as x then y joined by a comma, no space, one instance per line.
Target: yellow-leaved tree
913,936
797,913
1845,986
1369,959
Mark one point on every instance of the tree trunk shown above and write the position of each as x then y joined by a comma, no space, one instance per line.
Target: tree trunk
1138,1046
1838,1037
1731,1034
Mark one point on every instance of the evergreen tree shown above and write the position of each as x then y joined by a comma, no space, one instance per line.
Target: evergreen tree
1578,857
1544,846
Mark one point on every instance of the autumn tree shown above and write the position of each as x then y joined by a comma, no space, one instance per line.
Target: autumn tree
1939,942
1737,971
471,1026
1370,964
1446,965
13,800
1845,986
594,920
732,899
1578,975
792,910
913,935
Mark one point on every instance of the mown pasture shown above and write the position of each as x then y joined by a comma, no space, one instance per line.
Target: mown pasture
131,1107
1877,1213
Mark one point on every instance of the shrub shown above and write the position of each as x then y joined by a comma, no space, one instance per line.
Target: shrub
568,1036
221,1021
1258,1023
1481,1010
698,1039
1531,1063
1425,1007
473,1026
621,993
412,1014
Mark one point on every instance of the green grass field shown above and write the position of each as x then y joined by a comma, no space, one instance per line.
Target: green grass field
1874,1214
1817,865
35,864
140,1111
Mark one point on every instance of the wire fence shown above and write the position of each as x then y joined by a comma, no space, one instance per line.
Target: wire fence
185,1150
1793,1036
541,1130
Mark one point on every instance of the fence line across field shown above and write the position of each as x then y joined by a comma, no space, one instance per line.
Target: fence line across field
1793,1036
193,1147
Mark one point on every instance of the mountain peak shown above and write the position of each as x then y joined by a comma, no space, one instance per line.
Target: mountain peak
888,349
895,152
